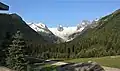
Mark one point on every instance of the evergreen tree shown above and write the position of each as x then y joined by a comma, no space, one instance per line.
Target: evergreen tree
16,52
3,48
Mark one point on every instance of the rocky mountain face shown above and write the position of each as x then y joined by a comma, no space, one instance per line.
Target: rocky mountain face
80,28
83,27
93,66
43,30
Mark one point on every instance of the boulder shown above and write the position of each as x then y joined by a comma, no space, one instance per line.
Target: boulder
90,66
5,69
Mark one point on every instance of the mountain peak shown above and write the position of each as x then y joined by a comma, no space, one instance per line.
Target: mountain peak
60,31
84,23
60,28
41,25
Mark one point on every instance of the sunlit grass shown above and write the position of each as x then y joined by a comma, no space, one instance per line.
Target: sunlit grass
110,61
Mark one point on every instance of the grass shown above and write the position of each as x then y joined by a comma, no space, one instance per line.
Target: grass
51,68
109,61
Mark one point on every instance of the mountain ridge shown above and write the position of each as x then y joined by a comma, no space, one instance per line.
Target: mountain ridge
43,30
60,32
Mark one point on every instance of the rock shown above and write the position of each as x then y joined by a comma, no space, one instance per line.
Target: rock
5,69
60,28
91,66
59,63
89,61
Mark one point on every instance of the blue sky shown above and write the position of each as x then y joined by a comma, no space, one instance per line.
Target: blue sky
64,12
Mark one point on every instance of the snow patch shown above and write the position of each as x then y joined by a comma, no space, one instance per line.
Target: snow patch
59,63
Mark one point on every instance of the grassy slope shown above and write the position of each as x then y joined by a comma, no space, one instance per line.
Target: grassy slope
109,61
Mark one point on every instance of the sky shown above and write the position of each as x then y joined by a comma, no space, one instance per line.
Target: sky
61,12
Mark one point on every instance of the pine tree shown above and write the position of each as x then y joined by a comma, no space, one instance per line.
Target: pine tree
16,52
3,48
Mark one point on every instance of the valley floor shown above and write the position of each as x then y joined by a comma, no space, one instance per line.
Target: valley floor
50,65
109,61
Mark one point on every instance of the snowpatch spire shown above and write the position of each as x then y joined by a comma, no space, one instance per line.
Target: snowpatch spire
60,28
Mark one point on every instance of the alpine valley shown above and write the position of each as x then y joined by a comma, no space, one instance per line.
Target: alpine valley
91,45
34,46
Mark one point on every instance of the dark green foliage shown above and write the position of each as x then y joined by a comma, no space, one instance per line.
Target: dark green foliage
3,48
103,40
12,22
16,52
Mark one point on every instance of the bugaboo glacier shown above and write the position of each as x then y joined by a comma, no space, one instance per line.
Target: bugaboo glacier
62,32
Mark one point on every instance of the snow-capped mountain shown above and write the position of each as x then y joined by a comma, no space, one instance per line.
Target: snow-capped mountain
65,33
80,27
94,23
43,30
39,27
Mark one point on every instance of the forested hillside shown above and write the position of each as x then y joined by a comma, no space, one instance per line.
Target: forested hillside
102,40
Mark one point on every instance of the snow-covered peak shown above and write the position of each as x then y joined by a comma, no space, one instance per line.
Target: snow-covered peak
64,33
41,25
33,26
60,28
96,19
94,23
84,23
